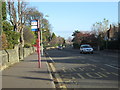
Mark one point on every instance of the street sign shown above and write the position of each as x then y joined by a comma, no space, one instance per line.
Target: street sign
34,22
34,25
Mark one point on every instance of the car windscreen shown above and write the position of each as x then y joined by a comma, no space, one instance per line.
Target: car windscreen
85,46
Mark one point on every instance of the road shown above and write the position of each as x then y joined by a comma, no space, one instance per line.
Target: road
98,70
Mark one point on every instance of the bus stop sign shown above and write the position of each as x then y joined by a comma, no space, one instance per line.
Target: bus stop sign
34,25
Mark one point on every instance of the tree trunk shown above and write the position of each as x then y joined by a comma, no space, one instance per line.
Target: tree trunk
21,37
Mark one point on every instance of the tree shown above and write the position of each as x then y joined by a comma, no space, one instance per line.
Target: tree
53,41
17,16
46,31
7,26
83,38
4,15
0,25
11,36
29,36
100,29
32,13
53,36
75,32
4,41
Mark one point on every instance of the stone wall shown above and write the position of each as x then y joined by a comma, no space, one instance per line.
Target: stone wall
12,56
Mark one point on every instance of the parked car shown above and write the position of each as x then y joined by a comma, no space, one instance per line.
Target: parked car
60,47
86,48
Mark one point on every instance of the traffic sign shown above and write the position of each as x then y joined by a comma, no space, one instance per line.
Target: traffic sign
34,25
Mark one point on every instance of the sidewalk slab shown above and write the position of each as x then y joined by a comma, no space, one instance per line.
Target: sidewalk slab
26,74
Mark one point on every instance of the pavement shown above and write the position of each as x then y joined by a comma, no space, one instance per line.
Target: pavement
26,74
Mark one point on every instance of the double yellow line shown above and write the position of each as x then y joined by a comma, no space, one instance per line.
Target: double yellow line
57,77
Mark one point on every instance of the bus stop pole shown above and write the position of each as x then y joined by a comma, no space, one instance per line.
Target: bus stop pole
39,52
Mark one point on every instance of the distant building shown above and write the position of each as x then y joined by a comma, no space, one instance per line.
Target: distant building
112,33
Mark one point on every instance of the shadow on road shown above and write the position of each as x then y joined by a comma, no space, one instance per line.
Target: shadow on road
35,78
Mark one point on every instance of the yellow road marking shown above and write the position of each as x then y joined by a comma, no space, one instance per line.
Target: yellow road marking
53,68
57,76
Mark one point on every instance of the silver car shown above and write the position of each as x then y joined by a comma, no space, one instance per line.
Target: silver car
86,48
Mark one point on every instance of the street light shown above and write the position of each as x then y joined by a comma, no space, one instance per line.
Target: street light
41,34
42,41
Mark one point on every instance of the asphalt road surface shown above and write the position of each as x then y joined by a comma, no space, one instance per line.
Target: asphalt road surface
98,70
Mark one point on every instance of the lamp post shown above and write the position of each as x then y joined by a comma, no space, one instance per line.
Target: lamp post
41,32
41,42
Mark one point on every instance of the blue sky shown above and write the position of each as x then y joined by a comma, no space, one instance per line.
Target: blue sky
66,17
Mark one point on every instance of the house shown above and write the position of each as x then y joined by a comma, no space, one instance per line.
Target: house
112,33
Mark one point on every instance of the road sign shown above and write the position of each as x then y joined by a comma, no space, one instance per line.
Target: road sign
34,25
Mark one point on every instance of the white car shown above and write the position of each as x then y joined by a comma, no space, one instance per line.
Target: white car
86,48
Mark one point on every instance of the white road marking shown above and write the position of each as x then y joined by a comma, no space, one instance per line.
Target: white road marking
80,76
114,73
93,69
107,72
99,76
102,69
111,66
102,74
81,69
73,77
51,59
73,69
64,70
